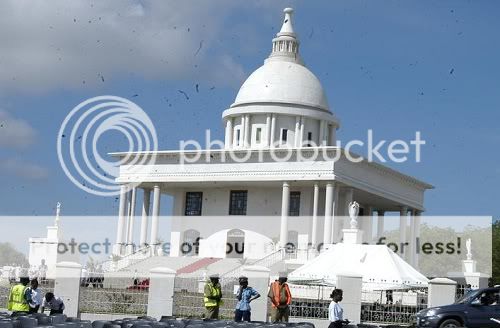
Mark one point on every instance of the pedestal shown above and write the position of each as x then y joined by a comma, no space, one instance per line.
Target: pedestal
468,266
353,236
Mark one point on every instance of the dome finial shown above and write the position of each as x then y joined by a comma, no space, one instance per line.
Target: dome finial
287,28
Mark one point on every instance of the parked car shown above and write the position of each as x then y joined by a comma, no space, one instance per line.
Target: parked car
479,308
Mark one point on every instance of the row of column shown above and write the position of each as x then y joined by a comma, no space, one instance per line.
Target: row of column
333,224
126,217
326,132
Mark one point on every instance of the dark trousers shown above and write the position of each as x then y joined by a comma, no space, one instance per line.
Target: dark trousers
336,324
34,309
52,312
212,312
241,315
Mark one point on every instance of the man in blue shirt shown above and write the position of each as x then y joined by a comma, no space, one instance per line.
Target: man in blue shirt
245,295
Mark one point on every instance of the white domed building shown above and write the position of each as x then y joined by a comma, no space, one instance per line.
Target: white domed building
273,198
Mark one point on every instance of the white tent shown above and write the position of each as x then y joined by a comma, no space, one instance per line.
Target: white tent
379,267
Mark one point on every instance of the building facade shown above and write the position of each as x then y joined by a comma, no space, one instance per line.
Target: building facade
280,179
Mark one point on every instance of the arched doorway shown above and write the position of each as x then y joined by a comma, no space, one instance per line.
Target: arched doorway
190,243
293,241
235,246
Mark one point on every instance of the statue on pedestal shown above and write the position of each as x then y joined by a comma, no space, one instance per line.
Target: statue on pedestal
468,246
353,214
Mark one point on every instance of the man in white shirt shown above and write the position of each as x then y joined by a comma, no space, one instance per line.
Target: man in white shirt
36,296
55,304
335,311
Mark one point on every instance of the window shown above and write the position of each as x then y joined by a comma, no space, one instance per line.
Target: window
238,135
284,135
294,209
193,203
258,133
238,202
309,138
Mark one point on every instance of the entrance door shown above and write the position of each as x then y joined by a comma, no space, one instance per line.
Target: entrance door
235,243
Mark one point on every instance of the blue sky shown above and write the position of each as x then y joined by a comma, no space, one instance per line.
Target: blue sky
391,66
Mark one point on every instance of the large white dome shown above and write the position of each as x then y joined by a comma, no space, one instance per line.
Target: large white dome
283,82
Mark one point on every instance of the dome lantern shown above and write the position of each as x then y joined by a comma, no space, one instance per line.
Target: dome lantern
286,43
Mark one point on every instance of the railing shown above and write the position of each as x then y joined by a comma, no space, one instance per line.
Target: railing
115,298
267,261
392,306
188,298
377,306
140,254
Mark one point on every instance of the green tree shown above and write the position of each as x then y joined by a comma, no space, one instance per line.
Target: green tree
496,252
9,255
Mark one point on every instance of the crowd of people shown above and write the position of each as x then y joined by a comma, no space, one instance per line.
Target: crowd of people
279,295
24,299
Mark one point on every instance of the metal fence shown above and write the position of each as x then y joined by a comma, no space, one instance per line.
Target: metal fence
383,306
392,306
113,298
188,298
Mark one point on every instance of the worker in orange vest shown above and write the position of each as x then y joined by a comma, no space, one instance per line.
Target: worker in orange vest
281,298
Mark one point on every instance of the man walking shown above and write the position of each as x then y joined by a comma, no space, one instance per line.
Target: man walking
19,298
212,297
281,298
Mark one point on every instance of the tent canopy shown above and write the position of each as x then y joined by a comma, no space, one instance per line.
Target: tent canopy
379,267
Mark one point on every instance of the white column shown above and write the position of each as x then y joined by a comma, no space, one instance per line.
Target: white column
441,292
229,133
333,135
259,278
155,217
297,131
285,202
331,129
301,134
131,217
351,283
321,138
403,220
417,221
314,232
336,218
380,223
268,130
367,225
127,216
273,131
248,132
161,292
121,219
327,231
67,286
145,217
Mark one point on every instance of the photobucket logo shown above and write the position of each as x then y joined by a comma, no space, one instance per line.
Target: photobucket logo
79,137
396,151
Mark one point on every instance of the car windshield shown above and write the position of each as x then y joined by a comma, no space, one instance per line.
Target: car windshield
467,297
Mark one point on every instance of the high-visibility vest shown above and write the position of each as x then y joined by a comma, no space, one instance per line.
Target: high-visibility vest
17,302
214,292
277,289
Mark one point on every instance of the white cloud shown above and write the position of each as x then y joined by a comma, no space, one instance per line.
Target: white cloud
23,169
63,44
14,132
